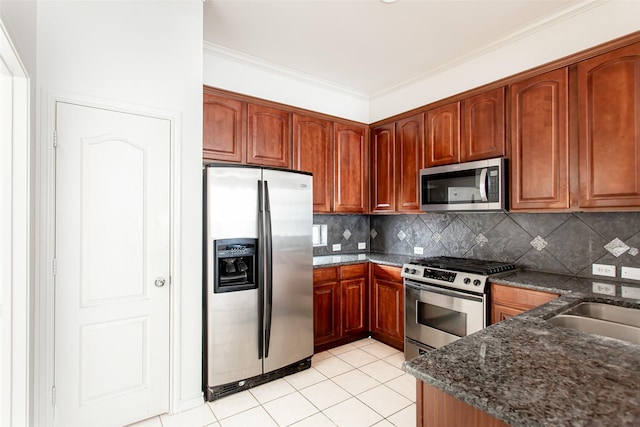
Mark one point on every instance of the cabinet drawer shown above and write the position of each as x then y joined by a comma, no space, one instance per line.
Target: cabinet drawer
518,297
353,271
327,274
387,272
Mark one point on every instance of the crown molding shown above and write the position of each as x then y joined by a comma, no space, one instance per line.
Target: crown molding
218,51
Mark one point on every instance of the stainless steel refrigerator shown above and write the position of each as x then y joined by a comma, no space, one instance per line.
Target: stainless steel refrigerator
258,283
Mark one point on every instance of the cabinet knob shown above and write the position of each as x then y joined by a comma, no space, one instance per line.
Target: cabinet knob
160,281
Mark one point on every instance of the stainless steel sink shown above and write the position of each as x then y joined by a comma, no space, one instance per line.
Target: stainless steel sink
607,320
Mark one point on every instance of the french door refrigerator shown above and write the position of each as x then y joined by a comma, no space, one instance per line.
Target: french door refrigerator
258,283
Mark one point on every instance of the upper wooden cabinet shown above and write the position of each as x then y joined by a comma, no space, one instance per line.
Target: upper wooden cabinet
313,152
351,169
268,136
443,135
483,126
397,155
467,130
242,132
383,168
540,143
409,160
609,129
223,129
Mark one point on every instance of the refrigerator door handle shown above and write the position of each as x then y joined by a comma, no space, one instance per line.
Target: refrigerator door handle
269,269
261,281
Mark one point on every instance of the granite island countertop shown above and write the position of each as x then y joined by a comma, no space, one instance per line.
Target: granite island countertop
527,372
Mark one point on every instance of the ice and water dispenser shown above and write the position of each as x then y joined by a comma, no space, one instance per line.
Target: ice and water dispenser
236,265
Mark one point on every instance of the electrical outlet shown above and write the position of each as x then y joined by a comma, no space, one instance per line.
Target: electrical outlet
603,270
337,247
604,288
418,250
630,292
630,273
362,245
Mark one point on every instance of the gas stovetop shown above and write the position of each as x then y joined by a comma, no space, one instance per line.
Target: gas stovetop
460,273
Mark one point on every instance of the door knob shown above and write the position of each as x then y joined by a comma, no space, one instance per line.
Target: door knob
159,282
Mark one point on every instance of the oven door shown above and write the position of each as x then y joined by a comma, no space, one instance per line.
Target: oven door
435,316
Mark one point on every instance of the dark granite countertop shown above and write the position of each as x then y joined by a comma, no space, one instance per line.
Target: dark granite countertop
527,372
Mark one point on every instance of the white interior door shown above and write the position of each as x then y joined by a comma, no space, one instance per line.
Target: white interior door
112,254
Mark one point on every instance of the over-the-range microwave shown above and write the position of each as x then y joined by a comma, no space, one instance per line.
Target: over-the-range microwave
471,186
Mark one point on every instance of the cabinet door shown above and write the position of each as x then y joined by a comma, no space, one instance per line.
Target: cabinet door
443,135
269,137
353,300
383,181
483,127
313,152
326,312
351,186
609,130
409,161
387,306
540,145
501,312
222,133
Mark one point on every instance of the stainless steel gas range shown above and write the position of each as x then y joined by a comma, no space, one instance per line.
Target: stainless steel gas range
445,300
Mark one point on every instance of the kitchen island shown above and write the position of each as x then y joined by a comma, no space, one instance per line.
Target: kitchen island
526,372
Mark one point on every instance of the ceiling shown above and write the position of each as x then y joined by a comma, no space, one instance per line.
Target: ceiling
368,47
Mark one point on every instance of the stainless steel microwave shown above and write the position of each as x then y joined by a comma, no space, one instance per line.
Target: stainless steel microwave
479,185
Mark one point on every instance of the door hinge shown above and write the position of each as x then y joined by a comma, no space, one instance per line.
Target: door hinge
54,266
55,139
53,396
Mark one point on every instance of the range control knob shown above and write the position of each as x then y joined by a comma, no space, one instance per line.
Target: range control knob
466,280
413,271
406,269
476,282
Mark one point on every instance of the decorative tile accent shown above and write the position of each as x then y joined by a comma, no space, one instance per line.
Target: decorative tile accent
436,237
539,243
481,240
616,247
633,251
346,234
373,233
401,235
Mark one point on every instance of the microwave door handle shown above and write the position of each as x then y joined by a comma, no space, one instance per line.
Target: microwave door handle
483,185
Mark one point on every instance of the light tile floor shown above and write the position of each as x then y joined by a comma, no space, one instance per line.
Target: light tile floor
357,384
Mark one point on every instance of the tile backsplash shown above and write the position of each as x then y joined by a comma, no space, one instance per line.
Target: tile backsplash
565,243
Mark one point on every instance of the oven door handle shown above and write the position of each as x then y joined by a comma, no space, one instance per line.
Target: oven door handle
442,291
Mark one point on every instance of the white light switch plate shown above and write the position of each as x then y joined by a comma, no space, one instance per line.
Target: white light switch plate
418,250
337,247
362,245
603,270
631,273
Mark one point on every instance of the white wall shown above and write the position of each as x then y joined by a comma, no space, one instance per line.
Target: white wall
222,70
18,52
590,25
147,56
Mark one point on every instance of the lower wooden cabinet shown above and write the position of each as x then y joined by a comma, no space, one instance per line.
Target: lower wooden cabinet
387,305
339,305
435,408
508,301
